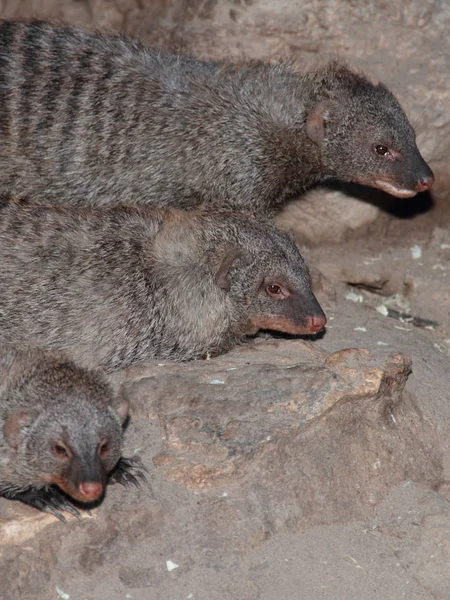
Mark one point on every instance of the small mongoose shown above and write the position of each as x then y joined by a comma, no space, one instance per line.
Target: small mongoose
60,431
95,118
116,285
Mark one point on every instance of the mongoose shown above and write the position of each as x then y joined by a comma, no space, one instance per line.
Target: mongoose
60,431
116,285
95,118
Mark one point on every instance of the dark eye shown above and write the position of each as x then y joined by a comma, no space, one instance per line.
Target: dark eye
274,289
382,150
60,450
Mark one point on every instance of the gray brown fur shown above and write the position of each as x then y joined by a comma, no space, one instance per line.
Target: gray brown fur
46,400
114,286
95,118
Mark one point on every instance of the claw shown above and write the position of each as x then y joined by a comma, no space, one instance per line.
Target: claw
49,500
129,471
72,510
52,511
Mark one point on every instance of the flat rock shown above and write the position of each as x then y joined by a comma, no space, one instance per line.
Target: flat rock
327,216
221,416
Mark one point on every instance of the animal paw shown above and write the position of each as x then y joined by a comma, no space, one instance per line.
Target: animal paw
129,471
50,500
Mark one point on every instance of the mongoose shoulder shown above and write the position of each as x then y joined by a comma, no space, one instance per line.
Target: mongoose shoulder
60,431
91,118
113,286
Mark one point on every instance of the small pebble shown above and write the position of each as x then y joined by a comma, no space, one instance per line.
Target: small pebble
416,252
354,297
360,329
217,382
171,565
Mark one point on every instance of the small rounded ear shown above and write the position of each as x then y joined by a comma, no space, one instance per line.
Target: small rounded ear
12,425
222,277
292,234
123,410
383,87
316,122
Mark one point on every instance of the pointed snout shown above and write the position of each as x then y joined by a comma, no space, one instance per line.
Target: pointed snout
299,314
401,178
423,174
85,479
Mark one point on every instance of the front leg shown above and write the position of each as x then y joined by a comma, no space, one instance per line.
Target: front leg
50,500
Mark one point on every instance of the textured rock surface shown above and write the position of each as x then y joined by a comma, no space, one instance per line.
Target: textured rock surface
223,419
323,216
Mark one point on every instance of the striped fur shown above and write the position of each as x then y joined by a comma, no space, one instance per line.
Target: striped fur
100,119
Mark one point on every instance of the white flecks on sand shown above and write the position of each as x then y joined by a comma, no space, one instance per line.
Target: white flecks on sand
354,297
371,260
171,565
354,561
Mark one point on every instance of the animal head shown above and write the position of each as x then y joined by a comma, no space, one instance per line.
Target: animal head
67,431
364,136
262,271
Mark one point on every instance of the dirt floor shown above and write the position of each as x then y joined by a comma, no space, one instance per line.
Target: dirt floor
294,469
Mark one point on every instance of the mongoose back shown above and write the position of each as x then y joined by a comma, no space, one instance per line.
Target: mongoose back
94,118
116,285
60,431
